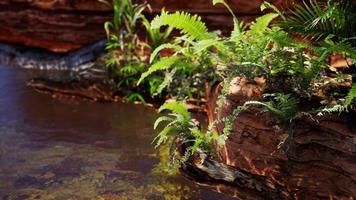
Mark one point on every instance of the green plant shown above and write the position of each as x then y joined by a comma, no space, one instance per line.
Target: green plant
184,64
135,97
127,54
294,70
122,33
181,126
351,96
331,23
156,36
319,20
259,51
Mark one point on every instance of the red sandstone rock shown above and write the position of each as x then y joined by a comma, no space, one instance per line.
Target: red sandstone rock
64,25
31,23
323,165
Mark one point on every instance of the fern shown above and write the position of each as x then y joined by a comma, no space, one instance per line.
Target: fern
265,5
178,108
160,120
135,97
168,78
129,70
261,23
161,47
261,50
182,127
237,25
163,135
163,64
318,20
185,22
351,96
203,45
179,121
157,37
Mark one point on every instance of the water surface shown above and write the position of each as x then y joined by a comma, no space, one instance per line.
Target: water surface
75,149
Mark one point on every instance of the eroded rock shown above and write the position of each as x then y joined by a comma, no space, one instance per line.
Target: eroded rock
66,25
323,162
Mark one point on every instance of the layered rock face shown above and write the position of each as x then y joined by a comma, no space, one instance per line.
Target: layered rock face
65,25
59,25
322,164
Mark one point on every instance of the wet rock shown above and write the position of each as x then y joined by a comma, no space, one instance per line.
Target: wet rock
247,185
323,164
94,91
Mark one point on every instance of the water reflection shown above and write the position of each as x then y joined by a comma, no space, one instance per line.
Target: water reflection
74,149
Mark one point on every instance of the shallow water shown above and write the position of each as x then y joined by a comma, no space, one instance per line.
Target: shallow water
75,149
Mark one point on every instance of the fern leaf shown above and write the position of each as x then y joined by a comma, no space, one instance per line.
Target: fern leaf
265,5
185,22
351,96
196,132
107,27
168,78
261,23
269,107
161,47
161,119
236,32
204,44
163,136
135,97
177,108
163,64
237,25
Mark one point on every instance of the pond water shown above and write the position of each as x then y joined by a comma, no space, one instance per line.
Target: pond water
74,149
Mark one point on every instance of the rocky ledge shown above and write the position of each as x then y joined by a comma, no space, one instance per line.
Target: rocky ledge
322,164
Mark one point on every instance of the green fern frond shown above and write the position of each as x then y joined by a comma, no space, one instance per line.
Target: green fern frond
180,121
129,70
168,78
161,47
164,63
266,5
317,19
107,27
237,25
163,136
265,105
261,23
177,108
160,120
135,97
185,22
205,44
351,96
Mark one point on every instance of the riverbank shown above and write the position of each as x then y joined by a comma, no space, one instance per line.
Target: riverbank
252,145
